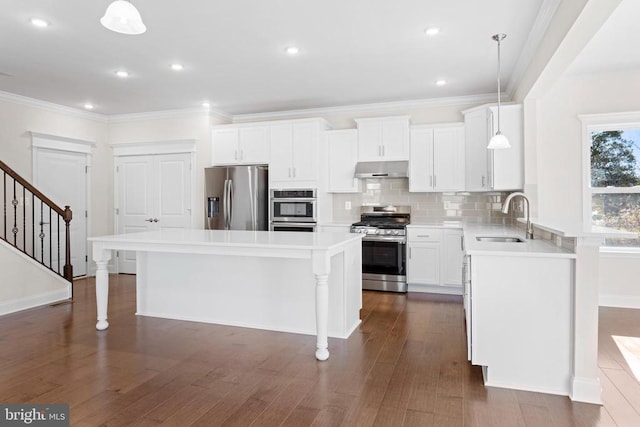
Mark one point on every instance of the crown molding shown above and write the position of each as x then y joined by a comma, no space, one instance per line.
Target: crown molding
540,25
367,108
50,106
166,114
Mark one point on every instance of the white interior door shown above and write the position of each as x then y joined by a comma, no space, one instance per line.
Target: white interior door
62,177
154,192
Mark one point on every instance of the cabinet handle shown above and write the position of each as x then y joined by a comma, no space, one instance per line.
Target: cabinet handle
383,151
462,243
155,220
482,180
423,235
149,220
409,253
294,172
435,181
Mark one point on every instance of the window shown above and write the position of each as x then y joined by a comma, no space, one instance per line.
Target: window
613,198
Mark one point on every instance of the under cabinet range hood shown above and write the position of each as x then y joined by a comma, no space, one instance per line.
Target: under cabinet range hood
395,169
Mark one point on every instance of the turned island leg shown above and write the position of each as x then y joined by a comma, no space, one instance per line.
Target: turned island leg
322,316
101,257
321,269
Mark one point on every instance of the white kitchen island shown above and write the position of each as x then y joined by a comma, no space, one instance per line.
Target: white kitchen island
307,283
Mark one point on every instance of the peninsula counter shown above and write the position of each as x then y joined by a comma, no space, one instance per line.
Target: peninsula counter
306,283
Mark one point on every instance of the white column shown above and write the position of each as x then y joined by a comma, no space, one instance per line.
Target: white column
585,383
102,257
321,268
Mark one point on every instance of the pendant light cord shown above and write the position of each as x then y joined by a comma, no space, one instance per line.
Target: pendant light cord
499,38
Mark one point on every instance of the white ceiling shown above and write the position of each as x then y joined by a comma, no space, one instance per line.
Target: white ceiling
616,46
352,52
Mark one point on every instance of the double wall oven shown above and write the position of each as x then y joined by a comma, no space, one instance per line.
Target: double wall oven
293,210
384,247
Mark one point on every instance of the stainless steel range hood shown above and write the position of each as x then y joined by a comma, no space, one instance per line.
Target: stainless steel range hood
395,169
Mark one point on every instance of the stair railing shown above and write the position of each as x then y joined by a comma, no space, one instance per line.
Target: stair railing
33,224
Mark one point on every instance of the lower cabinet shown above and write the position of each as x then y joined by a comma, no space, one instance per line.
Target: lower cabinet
434,259
519,320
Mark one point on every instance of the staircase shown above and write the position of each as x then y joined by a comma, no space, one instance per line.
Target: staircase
35,250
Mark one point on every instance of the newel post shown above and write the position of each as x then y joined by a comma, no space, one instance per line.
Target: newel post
68,268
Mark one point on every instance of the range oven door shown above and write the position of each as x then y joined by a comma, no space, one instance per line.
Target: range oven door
384,265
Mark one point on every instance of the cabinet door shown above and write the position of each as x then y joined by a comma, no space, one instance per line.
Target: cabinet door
395,139
304,154
448,159
423,263
452,258
476,151
225,146
254,145
421,160
369,140
281,140
343,155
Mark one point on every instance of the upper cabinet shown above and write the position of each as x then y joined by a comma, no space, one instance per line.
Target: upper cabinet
488,170
437,158
296,157
383,138
342,146
240,145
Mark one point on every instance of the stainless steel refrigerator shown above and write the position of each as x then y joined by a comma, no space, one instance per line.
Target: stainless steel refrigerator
237,197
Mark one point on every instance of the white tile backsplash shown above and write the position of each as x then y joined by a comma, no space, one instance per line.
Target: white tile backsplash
425,207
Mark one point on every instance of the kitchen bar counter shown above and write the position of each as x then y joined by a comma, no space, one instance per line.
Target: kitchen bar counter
284,281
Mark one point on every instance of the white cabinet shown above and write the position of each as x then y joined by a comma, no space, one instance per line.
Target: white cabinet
519,320
488,170
437,158
452,257
383,138
343,156
434,260
423,258
240,145
296,157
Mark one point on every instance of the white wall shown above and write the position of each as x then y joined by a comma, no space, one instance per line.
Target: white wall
559,163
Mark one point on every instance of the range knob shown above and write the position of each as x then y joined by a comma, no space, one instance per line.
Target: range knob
396,232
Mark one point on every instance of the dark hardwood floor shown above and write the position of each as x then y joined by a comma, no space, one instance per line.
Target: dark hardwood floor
406,365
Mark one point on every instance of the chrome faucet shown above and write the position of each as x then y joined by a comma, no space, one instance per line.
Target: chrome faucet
505,209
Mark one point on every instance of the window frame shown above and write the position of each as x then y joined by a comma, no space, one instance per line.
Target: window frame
598,123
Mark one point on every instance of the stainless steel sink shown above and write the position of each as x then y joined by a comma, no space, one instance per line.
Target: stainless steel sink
499,239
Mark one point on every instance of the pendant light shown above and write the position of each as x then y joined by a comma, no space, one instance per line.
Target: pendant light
123,17
499,141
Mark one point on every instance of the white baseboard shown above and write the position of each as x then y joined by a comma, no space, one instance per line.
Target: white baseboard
19,304
435,289
619,301
587,390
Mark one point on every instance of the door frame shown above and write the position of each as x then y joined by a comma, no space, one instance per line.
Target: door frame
78,146
181,146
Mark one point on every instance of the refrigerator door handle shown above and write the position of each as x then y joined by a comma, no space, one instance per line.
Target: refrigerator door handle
225,202
230,197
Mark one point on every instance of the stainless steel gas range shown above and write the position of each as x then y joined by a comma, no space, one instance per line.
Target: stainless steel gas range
384,247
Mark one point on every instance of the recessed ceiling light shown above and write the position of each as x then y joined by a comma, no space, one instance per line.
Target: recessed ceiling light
177,67
88,106
292,50
432,31
38,22
205,104
122,74
441,82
